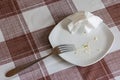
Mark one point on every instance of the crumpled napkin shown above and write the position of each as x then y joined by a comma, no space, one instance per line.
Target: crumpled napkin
83,19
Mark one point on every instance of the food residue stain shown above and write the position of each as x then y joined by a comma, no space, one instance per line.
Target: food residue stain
84,48
98,49
95,38
84,32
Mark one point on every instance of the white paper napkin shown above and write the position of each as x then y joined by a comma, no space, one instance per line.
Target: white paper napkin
86,20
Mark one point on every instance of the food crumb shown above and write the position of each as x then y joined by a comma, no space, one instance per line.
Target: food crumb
75,52
85,46
98,49
95,38
84,32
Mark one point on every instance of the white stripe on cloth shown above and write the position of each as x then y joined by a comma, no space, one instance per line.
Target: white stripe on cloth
117,78
1,36
88,5
38,18
116,34
4,69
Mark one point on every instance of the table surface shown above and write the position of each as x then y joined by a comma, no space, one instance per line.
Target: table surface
24,29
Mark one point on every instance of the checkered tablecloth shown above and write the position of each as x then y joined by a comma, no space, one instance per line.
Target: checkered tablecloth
24,29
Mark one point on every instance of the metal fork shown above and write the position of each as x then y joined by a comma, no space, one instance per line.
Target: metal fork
57,50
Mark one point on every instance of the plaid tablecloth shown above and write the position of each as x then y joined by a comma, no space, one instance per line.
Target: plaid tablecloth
24,29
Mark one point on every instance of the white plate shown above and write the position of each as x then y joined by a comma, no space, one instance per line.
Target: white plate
97,48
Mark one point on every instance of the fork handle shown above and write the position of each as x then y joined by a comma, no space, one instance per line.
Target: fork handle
24,66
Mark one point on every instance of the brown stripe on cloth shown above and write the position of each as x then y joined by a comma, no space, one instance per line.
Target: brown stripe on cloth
113,62
61,9
21,53
14,30
44,69
47,78
110,2
67,74
29,48
6,8
103,14
50,1
23,5
11,27
4,54
41,38
14,7
34,72
41,72
114,12
96,71
20,49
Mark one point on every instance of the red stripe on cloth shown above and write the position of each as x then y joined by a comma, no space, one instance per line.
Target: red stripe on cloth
103,14
67,74
28,48
39,41
110,2
47,78
114,12
32,73
25,5
11,27
8,15
20,44
22,52
28,4
34,47
4,54
19,47
61,9
5,61
6,7
96,71
43,67
113,62
36,50
50,1
106,69
41,38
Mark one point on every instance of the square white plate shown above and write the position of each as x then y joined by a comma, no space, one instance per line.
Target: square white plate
99,42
